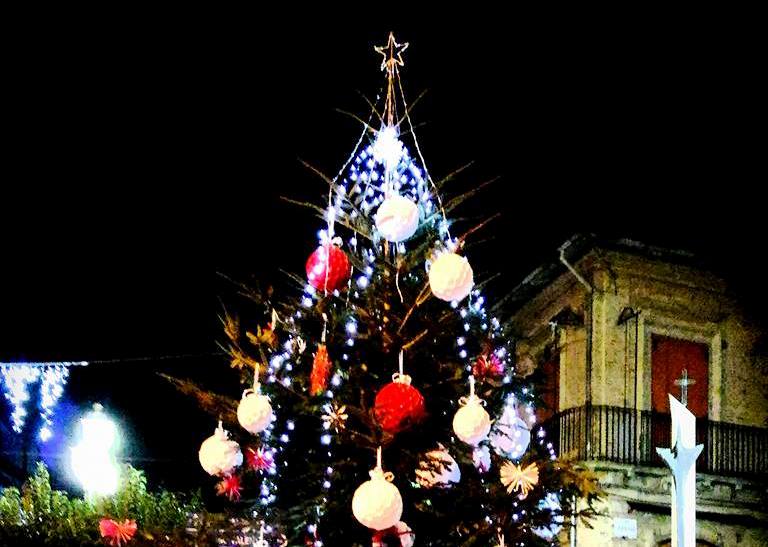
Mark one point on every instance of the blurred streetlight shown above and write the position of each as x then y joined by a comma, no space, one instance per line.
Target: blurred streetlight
93,458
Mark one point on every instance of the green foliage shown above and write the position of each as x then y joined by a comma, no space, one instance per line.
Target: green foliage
40,515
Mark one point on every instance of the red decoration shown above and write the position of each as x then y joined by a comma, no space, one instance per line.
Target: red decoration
402,534
321,371
488,365
116,533
399,405
230,486
328,261
259,459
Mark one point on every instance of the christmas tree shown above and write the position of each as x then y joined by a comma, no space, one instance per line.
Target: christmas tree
383,401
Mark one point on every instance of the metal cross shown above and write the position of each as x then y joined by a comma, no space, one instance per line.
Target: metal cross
683,382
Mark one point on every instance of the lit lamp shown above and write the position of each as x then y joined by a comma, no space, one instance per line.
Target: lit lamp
93,458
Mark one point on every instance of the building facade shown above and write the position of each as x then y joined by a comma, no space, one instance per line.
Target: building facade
615,327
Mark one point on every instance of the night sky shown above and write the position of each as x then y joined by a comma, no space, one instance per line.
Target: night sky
142,159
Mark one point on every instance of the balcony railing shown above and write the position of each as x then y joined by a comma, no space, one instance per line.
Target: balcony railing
630,436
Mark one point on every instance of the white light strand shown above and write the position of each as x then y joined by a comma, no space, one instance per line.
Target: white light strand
20,377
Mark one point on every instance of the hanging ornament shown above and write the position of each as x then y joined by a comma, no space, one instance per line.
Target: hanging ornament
230,486
397,218
400,531
488,366
438,468
481,457
517,478
398,405
471,423
328,267
377,503
255,410
450,277
219,455
260,459
335,417
321,366
510,436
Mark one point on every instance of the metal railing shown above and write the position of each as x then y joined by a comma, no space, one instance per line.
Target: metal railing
625,435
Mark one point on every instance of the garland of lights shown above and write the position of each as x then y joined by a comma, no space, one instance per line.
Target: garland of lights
18,378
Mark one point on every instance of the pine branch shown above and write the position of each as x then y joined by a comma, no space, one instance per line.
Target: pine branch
452,175
411,107
458,200
225,408
306,204
478,227
373,106
356,117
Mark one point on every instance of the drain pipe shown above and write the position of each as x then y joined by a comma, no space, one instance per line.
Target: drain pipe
588,364
576,274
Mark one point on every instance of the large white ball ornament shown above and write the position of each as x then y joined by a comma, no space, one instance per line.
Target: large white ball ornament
218,454
397,218
377,503
510,436
438,468
254,411
451,277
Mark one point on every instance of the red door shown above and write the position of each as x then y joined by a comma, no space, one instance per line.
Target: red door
669,356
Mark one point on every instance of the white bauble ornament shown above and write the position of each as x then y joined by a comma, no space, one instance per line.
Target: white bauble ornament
510,436
397,218
481,457
438,468
219,455
450,277
471,423
254,411
406,535
377,503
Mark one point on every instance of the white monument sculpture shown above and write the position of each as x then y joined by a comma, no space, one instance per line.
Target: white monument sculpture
681,459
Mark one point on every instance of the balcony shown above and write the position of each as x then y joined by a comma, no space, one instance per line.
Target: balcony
627,436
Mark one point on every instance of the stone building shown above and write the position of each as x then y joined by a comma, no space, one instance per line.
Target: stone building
615,325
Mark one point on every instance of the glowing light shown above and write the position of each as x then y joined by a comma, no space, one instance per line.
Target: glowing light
93,458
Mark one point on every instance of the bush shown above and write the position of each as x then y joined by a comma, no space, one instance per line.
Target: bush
39,515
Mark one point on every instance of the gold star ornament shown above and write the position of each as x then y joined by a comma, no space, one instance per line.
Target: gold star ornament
517,478
392,54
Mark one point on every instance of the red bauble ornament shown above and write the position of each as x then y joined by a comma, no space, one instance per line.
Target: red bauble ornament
321,371
488,365
328,268
399,405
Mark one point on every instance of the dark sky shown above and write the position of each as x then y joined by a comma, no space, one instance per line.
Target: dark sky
144,157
